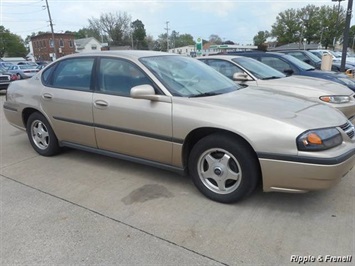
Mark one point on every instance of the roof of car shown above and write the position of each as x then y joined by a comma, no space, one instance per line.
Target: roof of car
123,53
256,53
227,57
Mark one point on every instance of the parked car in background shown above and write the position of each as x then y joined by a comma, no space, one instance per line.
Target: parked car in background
335,56
249,71
313,60
40,63
40,67
5,64
290,65
5,78
23,71
178,113
28,63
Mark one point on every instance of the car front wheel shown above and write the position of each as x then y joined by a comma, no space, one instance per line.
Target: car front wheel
41,135
224,168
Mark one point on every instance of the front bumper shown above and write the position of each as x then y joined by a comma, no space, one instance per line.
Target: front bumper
296,176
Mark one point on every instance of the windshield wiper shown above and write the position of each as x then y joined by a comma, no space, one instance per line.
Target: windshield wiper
272,77
204,94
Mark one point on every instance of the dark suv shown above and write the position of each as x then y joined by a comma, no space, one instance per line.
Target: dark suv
292,66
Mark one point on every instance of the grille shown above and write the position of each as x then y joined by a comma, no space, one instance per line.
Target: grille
348,128
4,78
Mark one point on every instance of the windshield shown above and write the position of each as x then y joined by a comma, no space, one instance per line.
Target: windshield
188,77
317,54
313,57
258,69
301,65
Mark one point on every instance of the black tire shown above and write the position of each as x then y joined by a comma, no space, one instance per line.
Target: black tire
227,160
41,135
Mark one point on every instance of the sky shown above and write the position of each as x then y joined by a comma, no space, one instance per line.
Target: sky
235,20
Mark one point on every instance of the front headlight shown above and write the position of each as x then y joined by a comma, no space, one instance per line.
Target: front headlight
335,98
319,139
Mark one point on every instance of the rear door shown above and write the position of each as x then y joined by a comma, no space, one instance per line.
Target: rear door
67,100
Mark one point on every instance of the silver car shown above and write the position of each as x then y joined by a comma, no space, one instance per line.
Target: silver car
23,71
179,114
248,71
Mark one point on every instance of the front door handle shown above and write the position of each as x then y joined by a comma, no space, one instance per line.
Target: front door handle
101,103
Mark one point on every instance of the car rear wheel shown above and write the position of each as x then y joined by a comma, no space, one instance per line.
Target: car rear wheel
41,135
224,168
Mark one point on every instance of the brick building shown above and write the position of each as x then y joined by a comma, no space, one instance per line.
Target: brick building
42,45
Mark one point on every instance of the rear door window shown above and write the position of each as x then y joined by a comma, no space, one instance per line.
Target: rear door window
276,63
72,74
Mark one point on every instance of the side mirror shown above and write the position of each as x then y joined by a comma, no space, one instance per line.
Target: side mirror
147,92
143,92
240,77
288,72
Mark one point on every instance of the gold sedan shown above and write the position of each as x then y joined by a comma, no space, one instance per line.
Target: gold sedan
177,113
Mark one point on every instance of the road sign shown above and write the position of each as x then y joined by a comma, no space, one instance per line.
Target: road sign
199,44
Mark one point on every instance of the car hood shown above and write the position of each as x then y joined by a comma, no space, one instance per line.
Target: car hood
263,103
306,86
330,75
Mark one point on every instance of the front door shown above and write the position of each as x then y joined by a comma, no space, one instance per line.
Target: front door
134,127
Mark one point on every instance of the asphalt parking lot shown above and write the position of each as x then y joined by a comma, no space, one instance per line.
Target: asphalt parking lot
81,208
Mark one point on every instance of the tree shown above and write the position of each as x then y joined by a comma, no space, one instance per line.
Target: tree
138,35
261,37
331,25
228,42
87,32
352,37
150,42
315,24
287,27
161,43
115,27
214,38
11,45
260,40
175,40
180,40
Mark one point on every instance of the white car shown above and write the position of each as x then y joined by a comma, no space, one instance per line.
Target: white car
248,71
23,71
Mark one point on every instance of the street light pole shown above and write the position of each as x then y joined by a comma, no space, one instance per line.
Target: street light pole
346,35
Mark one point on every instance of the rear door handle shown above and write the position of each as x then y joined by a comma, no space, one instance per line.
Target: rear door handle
101,103
47,96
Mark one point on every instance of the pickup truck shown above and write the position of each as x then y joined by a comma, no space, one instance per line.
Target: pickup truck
5,78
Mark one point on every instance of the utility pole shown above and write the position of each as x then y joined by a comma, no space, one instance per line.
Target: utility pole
167,36
346,35
51,24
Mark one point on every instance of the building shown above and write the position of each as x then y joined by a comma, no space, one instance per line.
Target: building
42,46
295,46
185,50
13,60
87,45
